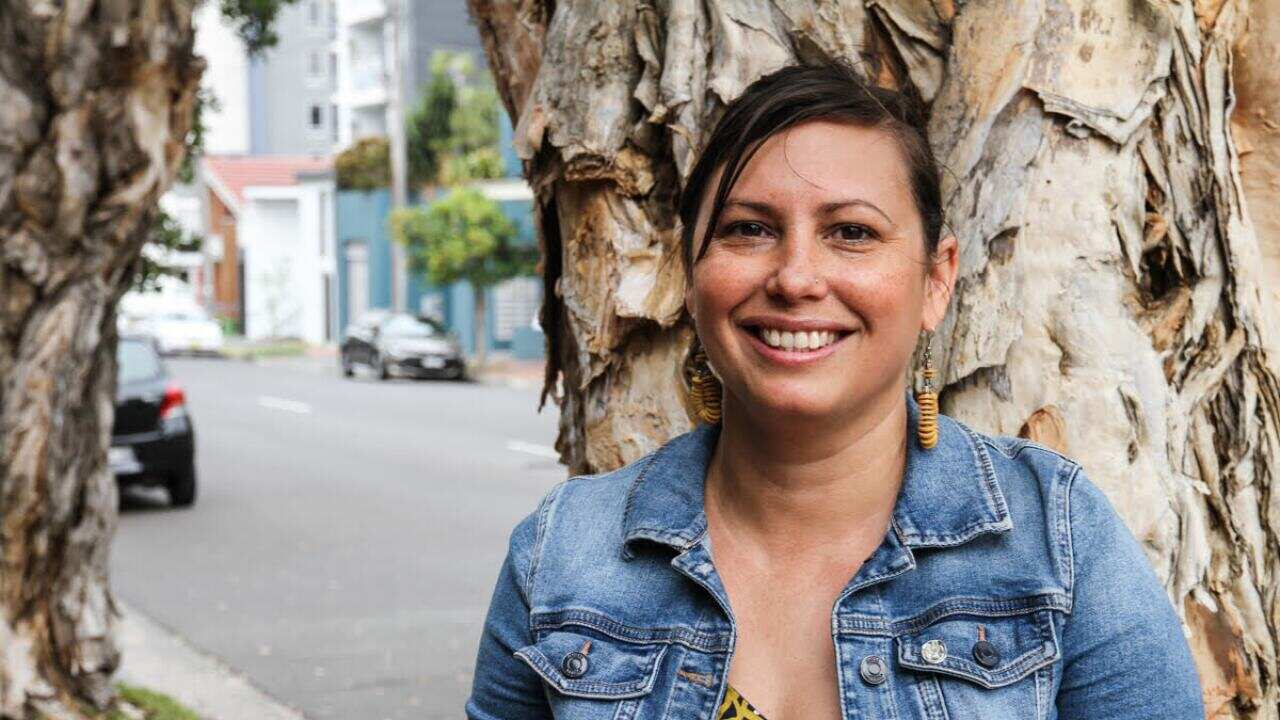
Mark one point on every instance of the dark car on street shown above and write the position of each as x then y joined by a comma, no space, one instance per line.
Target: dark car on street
395,343
152,440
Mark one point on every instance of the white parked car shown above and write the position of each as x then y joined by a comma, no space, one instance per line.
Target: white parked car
189,330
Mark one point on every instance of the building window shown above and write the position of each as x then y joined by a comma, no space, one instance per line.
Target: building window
317,118
313,13
315,67
333,122
516,304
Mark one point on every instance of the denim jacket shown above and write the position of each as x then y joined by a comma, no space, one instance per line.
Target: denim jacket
1006,587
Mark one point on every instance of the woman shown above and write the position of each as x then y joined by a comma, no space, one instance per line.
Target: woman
825,544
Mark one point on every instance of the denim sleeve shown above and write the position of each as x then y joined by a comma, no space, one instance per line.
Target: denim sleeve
1124,653
503,686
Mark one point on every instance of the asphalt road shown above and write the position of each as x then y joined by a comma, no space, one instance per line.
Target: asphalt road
347,534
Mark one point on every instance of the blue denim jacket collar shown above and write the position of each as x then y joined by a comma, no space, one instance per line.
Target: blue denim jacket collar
949,492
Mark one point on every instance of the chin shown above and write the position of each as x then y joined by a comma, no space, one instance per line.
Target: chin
810,404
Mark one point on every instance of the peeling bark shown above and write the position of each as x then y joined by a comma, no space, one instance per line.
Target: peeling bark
1106,164
97,101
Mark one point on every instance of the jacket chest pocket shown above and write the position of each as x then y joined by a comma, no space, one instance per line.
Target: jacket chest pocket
968,666
592,677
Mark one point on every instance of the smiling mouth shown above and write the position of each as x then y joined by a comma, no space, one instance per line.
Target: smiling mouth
789,341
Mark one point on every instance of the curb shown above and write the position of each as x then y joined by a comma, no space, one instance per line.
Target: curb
159,659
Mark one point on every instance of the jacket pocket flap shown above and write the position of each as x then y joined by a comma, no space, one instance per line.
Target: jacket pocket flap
989,651
592,667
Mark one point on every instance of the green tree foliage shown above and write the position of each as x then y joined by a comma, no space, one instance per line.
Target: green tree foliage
254,21
167,236
365,165
452,136
462,236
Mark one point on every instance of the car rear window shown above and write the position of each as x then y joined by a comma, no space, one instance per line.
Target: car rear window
137,360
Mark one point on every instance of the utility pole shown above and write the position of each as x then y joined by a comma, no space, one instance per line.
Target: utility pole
396,144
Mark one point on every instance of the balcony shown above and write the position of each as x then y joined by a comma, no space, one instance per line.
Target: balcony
360,12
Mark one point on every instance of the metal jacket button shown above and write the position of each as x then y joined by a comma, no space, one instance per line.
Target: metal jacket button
873,670
986,654
934,651
574,665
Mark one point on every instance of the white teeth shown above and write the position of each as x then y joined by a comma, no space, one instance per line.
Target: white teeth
797,340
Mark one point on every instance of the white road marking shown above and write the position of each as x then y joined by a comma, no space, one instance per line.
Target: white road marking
533,449
276,403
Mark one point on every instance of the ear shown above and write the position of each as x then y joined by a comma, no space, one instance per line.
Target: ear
940,282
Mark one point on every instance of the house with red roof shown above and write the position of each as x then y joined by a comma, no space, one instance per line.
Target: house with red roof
270,244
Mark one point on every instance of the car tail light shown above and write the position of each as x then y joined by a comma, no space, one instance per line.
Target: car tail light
174,400
173,410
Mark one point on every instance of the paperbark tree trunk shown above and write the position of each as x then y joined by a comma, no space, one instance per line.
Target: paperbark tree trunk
1110,301
95,102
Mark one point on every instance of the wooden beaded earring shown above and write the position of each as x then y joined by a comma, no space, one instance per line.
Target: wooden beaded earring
704,386
927,399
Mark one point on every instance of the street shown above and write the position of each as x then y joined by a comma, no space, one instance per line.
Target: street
347,533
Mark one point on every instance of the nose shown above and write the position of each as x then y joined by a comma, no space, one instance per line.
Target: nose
797,275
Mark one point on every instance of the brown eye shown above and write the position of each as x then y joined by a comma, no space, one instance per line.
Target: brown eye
746,229
853,233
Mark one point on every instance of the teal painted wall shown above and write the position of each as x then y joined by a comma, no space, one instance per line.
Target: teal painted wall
362,217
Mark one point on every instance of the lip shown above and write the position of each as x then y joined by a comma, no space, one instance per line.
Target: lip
792,358
781,322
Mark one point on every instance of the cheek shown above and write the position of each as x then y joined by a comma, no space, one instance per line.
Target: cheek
885,296
719,284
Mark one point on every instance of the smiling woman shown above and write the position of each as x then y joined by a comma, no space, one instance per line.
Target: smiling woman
826,544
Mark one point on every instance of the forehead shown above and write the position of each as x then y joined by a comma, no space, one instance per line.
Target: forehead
819,161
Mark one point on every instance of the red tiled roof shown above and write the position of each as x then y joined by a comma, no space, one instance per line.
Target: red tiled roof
234,173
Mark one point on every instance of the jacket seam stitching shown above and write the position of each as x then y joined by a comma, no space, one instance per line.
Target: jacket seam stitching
1066,533
536,555
699,640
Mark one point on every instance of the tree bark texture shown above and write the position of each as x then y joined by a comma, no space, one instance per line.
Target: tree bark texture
1110,302
96,99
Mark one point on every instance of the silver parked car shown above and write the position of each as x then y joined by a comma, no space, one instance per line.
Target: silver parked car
391,343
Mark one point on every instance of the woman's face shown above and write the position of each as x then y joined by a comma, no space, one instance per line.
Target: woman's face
815,286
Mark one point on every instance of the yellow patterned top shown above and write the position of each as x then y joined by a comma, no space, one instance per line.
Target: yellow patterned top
736,707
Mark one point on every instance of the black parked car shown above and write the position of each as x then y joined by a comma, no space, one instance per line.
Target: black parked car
152,441
391,343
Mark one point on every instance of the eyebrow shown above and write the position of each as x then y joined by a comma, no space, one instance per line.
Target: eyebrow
765,208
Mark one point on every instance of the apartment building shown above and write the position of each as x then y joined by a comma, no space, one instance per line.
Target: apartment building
362,54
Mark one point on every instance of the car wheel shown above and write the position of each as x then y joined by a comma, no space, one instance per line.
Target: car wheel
182,487
347,370
380,367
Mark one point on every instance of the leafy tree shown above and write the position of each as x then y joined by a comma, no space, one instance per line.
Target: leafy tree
452,136
365,165
254,21
464,236
167,236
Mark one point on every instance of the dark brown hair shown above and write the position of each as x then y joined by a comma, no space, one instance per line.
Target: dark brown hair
799,94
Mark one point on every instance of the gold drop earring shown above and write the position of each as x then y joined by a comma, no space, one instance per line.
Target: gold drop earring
704,386
927,399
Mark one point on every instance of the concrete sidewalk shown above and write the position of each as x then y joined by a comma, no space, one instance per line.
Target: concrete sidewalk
158,659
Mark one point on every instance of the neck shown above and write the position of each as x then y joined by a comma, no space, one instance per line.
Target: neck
794,484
